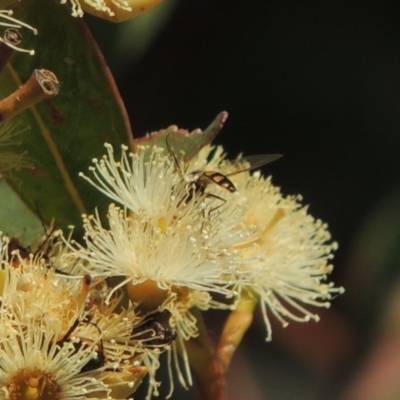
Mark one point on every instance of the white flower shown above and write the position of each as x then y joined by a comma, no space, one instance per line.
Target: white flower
287,261
34,366
170,253
287,267
164,233
147,183
144,182
35,294
72,313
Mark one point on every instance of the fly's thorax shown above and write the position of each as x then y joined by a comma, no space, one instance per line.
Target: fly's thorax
193,176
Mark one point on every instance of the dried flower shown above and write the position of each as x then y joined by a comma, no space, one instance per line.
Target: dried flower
7,20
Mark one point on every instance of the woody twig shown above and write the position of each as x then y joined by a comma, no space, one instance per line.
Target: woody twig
42,84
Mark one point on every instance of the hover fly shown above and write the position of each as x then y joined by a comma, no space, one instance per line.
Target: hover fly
182,149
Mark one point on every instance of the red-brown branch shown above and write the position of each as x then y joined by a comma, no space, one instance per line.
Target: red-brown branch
42,84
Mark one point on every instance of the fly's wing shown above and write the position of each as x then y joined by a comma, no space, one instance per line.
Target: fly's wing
253,162
181,148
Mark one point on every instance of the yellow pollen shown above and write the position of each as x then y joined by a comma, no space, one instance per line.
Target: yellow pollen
162,224
3,277
33,384
32,392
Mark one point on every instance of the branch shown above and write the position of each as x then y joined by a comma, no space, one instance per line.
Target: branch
42,84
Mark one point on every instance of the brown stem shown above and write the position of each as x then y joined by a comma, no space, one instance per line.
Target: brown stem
42,84
210,364
11,39
209,375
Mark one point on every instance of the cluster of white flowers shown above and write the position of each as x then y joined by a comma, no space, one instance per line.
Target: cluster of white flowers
60,338
175,241
90,318
177,238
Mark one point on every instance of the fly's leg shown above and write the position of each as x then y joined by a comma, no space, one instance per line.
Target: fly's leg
206,213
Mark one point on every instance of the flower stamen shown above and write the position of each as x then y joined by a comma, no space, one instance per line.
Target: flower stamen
11,22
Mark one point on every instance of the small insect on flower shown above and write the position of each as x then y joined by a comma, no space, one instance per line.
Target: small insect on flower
156,330
182,149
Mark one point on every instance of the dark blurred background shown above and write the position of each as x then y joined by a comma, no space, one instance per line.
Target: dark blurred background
320,82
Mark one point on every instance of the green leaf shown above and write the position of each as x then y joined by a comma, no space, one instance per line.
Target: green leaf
69,130
16,219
